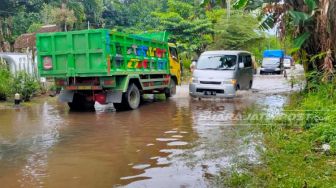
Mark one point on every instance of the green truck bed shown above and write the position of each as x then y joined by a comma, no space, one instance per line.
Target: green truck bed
100,52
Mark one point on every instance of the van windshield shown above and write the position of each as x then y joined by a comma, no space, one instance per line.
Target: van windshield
217,62
287,61
270,61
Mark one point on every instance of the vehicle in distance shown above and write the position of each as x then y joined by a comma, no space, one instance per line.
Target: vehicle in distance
272,62
288,62
221,74
108,67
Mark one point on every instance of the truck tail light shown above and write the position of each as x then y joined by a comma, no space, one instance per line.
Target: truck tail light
60,82
47,63
101,98
108,82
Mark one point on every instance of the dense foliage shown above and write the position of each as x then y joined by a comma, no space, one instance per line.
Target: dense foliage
5,77
21,83
311,25
193,28
25,84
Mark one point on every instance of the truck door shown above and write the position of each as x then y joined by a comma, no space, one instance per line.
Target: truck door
174,63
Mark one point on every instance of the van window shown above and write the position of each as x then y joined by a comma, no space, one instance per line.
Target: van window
288,61
217,62
242,59
248,61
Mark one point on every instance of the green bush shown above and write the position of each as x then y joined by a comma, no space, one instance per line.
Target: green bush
319,106
5,82
296,152
25,85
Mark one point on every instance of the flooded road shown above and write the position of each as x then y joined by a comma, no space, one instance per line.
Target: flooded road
175,143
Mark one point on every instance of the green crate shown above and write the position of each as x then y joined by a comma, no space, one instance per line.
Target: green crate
159,36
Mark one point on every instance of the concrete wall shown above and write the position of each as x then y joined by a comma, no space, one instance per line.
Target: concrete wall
20,62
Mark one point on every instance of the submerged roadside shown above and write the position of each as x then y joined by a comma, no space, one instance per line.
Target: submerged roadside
298,143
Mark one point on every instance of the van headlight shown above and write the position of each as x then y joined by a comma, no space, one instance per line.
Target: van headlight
194,80
231,81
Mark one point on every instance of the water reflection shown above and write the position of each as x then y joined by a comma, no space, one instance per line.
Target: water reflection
163,144
26,138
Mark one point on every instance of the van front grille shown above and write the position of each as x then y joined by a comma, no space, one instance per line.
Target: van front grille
210,82
210,90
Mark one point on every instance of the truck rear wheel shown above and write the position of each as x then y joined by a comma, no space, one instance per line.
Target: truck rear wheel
130,99
171,90
79,103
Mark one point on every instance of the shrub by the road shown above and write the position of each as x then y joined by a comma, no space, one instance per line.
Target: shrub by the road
5,82
26,85
297,152
22,83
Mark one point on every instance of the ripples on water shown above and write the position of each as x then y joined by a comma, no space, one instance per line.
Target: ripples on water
162,144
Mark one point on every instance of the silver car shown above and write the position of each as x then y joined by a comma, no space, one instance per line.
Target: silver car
221,74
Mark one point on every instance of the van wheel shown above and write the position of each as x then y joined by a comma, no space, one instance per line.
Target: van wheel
130,99
171,90
251,83
79,103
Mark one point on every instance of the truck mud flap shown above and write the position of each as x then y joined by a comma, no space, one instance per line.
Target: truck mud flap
66,96
113,96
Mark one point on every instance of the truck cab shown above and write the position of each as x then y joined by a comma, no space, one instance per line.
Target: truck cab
175,64
272,62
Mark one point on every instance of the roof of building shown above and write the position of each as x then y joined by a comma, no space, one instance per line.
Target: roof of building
25,41
28,40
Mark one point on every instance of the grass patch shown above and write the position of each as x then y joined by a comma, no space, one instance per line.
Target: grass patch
293,155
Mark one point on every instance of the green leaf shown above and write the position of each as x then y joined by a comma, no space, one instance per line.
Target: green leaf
239,4
204,2
318,56
311,4
299,17
268,22
299,41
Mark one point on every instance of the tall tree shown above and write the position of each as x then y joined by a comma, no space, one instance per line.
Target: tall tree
63,17
310,22
189,32
238,32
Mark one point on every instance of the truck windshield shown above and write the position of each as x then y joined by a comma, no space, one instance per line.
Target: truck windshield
270,61
217,62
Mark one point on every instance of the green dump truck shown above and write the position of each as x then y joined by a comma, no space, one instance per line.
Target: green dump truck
108,67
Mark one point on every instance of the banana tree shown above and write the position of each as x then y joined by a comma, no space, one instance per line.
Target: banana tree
311,23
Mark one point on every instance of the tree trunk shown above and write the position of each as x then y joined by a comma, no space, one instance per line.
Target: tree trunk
2,42
322,30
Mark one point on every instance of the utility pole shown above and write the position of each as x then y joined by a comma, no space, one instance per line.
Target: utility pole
228,8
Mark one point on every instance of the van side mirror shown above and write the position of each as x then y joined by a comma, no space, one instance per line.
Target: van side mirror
192,67
241,65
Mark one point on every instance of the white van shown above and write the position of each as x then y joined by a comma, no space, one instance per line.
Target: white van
221,74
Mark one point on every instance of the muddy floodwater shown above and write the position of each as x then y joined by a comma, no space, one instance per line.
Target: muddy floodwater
175,143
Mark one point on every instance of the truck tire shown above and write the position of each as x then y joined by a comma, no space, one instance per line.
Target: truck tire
79,103
130,99
171,90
